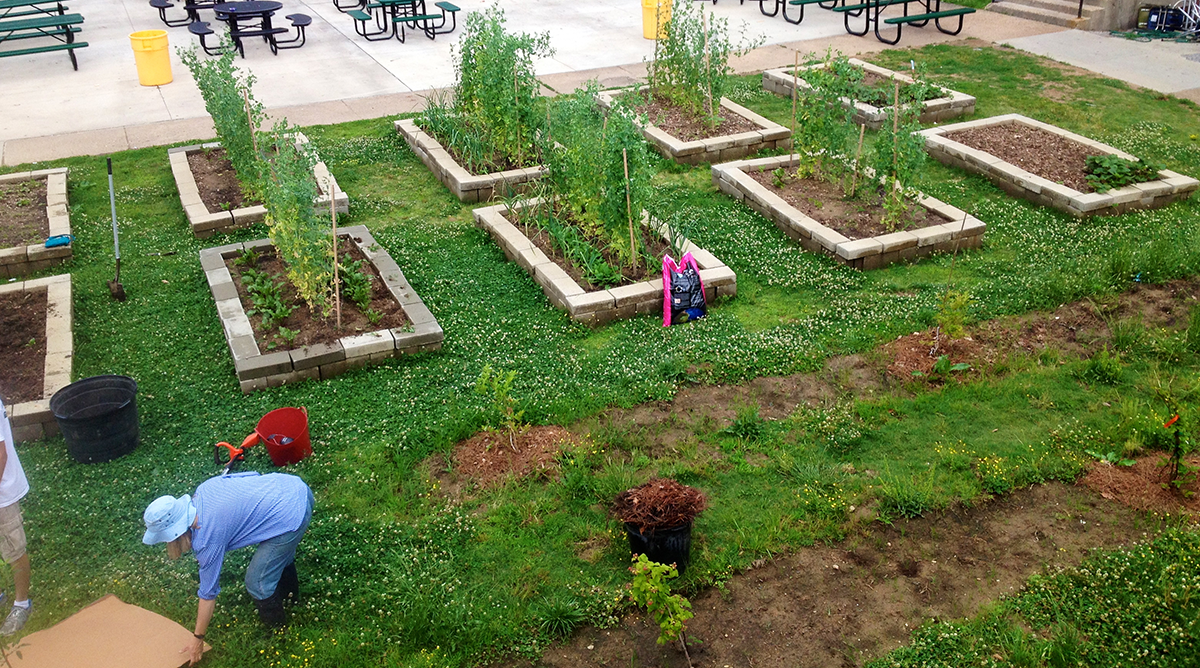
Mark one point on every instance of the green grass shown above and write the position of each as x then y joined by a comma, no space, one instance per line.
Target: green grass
397,575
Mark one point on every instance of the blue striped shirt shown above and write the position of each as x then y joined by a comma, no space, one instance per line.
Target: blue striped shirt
233,511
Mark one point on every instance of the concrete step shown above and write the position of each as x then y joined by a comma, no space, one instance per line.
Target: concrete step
1012,8
1061,6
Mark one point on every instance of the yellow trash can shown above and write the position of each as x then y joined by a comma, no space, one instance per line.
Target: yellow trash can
655,16
152,57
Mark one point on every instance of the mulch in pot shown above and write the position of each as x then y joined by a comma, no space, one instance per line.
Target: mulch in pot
660,503
22,345
23,218
1034,150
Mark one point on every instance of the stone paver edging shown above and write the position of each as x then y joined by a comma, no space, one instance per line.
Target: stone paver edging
1167,188
257,370
32,420
205,223
22,260
779,81
467,187
598,306
770,135
957,230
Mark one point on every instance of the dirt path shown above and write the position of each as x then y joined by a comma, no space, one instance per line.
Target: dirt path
844,605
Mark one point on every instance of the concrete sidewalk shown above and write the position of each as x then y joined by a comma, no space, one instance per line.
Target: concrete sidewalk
50,111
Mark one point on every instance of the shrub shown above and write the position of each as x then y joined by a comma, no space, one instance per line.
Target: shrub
650,591
235,113
1108,172
1104,367
494,113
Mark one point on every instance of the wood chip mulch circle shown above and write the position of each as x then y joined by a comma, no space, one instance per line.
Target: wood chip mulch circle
488,458
1141,486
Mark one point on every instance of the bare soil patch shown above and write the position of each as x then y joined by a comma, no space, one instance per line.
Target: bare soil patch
843,605
685,126
1037,151
312,327
23,218
488,457
826,203
22,346
218,184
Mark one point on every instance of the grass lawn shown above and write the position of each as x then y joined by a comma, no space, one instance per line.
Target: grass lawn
396,574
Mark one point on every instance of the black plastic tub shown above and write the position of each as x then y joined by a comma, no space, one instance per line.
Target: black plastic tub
98,417
664,546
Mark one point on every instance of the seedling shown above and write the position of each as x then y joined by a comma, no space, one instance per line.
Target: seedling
649,590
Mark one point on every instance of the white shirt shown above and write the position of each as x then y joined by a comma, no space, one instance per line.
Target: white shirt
13,484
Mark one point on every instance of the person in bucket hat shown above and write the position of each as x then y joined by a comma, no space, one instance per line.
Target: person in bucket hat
227,513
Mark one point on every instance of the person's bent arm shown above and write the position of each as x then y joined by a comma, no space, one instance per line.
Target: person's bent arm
204,613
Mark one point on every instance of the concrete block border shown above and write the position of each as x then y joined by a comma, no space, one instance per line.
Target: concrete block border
467,187
257,370
32,420
779,81
957,230
598,306
770,135
205,223
1168,187
22,260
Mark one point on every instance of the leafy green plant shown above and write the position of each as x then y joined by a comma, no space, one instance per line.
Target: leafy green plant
497,387
266,297
1104,367
356,283
823,125
236,115
494,113
649,590
691,67
943,368
952,313
1111,458
898,155
1108,172
747,424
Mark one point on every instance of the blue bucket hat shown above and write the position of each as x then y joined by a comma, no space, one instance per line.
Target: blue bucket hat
167,518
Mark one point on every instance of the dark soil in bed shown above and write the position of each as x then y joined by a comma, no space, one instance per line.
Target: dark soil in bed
824,202
23,213
682,125
311,328
22,346
218,184
1034,150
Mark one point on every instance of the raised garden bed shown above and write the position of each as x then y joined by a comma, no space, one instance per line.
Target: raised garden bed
955,104
467,187
952,228
22,259
1014,180
206,222
31,418
595,307
257,369
768,135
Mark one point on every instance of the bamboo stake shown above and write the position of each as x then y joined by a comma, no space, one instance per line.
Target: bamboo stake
707,67
250,121
862,129
337,293
795,95
895,127
629,209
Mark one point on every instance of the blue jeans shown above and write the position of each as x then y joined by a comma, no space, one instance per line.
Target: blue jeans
272,556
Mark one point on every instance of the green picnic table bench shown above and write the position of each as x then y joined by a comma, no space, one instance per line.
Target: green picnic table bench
61,28
11,9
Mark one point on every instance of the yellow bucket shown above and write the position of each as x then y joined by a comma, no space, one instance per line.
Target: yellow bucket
655,16
152,56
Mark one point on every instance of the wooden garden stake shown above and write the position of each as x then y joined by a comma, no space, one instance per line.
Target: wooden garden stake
795,94
337,293
629,209
707,68
862,129
250,121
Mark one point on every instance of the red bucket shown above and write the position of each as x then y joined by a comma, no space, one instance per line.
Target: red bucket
285,431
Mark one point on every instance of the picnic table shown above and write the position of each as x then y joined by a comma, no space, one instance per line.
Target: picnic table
391,17
191,10
252,18
29,19
872,11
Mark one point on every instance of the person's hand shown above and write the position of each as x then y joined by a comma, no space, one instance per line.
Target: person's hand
195,651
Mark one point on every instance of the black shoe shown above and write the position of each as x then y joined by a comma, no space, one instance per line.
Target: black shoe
289,584
270,611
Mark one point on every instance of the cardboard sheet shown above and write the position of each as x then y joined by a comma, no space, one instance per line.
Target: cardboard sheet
107,634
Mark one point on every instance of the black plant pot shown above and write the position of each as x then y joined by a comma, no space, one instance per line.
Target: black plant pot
664,546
